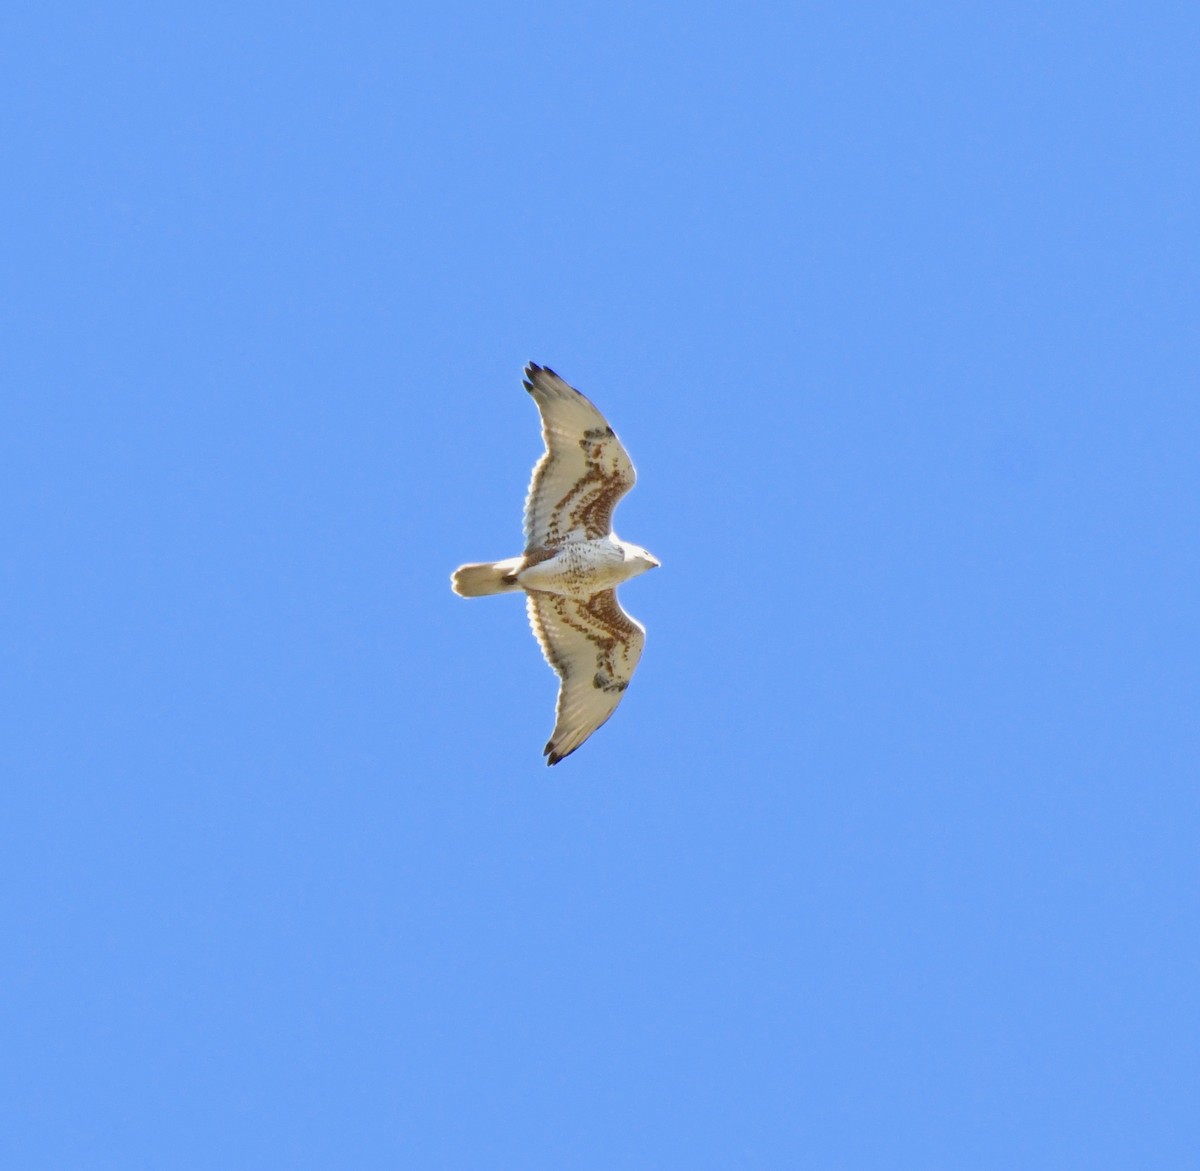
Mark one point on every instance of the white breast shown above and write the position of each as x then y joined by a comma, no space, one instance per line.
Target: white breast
579,569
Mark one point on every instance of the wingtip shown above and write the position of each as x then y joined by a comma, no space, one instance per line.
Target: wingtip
553,756
532,370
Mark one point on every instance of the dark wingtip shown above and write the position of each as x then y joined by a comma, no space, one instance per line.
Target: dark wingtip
553,757
532,369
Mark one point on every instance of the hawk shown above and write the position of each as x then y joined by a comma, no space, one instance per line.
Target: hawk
573,562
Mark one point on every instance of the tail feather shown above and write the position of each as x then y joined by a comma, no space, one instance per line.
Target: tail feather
488,577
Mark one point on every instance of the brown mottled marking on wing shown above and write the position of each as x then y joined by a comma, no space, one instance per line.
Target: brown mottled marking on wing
583,473
594,647
537,556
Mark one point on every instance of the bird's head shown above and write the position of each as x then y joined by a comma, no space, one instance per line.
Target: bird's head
640,557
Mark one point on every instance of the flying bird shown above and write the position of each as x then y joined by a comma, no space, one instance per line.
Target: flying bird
573,562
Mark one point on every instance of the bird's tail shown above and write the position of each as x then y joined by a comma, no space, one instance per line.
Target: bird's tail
488,577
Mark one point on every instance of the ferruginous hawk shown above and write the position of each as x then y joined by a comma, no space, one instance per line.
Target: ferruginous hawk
573,562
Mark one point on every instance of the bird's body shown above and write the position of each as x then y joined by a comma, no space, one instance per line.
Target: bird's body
573,562
583,568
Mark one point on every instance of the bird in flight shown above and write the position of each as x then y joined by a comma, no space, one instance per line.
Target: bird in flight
573,562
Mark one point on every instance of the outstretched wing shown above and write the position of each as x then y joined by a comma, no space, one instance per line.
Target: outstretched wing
593,646
584,472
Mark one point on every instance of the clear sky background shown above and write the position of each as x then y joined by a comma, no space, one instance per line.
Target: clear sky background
889,858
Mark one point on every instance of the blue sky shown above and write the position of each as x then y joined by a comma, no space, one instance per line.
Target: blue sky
888,859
